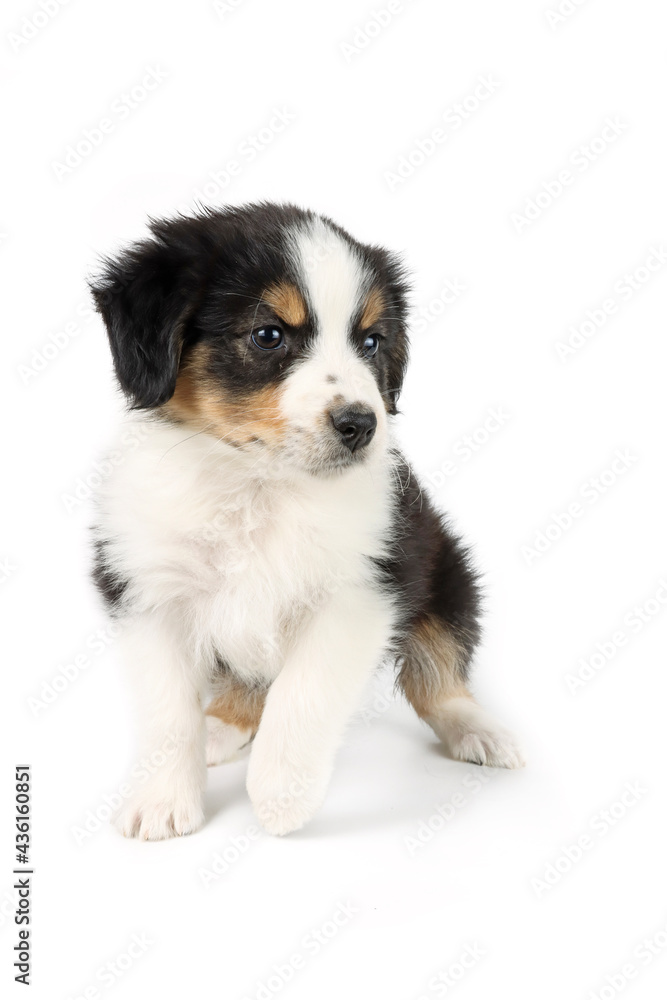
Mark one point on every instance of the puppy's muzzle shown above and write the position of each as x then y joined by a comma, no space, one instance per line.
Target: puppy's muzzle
355,426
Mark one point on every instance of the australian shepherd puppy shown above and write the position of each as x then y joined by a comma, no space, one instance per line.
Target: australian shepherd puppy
262,541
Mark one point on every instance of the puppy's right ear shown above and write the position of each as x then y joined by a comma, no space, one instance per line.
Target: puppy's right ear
146,296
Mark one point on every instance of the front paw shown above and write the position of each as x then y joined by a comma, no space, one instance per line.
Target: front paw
474,735
283,799
162,809
492,746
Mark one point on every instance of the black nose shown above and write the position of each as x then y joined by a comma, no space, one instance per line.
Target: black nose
355,426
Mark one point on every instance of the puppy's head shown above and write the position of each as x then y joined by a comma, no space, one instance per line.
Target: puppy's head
267,326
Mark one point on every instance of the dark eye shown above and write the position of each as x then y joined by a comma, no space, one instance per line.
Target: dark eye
267,338
371,345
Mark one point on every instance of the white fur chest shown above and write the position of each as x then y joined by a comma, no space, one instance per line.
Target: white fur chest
243,558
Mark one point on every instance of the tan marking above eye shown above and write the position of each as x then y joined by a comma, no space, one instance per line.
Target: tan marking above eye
373,308
287,302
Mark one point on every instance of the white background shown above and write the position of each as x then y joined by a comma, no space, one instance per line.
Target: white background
359,103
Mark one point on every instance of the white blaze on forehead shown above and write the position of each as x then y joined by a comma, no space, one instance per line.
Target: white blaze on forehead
333,276
334,279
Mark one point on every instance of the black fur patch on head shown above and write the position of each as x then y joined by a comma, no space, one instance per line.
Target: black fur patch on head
205,278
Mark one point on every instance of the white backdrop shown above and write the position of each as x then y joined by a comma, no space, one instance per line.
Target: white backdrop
515,153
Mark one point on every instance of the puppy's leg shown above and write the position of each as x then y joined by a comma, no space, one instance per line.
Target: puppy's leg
166,800
232,718
432,676
309,704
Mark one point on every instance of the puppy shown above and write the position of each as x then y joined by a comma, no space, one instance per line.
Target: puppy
261,540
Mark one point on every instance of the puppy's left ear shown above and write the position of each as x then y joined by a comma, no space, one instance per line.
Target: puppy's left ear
147,296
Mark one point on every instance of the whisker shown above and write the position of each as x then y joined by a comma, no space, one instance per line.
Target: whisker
188,438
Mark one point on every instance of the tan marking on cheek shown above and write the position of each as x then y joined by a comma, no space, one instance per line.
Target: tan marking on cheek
373,308
185,404
239,419
287,302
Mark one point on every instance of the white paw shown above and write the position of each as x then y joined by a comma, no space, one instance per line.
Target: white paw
473,735
283,800
163,808
224,741
495,748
